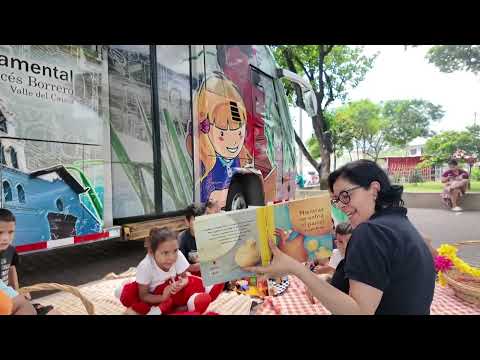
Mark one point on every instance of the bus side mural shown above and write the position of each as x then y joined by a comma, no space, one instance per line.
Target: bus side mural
52,127
238,122
222,121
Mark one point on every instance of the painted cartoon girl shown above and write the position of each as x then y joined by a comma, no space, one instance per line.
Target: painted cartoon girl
222,119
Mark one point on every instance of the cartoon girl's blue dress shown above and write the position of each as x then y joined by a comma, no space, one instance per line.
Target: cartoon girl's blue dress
219,177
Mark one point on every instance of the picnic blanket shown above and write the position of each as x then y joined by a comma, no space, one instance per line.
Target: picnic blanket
101,294
295,302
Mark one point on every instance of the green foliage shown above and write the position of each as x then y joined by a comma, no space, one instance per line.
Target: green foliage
342,134
476,173
408,119
371,127
344,67
450,58
475,131
365,124
313,147
332,70
441,147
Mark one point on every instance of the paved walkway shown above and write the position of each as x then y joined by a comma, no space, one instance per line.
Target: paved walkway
445,226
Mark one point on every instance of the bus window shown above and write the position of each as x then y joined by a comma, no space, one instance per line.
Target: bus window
7,191
13,158
21,194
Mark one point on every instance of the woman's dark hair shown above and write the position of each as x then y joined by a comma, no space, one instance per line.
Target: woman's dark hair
344,228
453,162
159,236
363,173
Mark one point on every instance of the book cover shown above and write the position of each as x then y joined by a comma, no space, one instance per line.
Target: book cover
228,242
302,228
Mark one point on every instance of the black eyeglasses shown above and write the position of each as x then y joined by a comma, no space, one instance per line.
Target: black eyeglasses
343,196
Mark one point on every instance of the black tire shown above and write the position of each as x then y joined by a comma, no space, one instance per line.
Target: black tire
247,187
235,190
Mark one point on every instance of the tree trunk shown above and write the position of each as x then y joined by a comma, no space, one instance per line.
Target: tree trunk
325,169
305,152
334,160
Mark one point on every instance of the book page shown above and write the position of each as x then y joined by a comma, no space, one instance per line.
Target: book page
227,242
303,228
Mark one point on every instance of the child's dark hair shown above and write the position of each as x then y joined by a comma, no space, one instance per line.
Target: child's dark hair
453,162
192,211
344,228
364,172
159,236
6,215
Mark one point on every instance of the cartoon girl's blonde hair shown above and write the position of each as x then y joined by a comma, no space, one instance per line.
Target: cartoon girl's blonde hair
218,103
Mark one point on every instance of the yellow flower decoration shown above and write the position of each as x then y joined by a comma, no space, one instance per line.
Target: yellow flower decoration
450,252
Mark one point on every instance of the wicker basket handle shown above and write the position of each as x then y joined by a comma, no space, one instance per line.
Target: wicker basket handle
467,242
67,288
128,274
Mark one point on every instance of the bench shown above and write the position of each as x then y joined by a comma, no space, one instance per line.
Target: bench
470,201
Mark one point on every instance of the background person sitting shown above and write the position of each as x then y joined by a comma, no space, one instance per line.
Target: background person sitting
456,182
186,239
343,231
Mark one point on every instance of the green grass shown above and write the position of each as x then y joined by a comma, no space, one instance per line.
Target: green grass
435,187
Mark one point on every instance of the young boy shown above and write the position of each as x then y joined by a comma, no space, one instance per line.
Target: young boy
187,244
9,259
8,255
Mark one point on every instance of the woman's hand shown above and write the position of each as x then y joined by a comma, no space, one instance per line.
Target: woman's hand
281,264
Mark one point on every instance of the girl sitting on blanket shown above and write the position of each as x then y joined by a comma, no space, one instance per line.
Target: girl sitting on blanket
162,283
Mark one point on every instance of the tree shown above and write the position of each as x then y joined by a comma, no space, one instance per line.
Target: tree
371,127
408,119
440,148
365,118
342,134
475,131
450,58
332,70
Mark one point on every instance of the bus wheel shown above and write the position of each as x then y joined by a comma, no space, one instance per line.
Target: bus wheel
244,192
236,199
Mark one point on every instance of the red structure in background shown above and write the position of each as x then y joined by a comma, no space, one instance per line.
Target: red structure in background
402,168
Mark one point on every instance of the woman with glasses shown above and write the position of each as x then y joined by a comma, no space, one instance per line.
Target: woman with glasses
388,266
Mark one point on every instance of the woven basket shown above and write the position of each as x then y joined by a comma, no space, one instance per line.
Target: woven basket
465,286
67,288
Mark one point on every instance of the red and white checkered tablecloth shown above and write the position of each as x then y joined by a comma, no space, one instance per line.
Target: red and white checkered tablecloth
295,302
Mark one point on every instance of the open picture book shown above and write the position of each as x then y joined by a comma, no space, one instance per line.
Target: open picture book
228,242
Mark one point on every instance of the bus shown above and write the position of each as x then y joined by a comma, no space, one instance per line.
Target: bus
98,137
